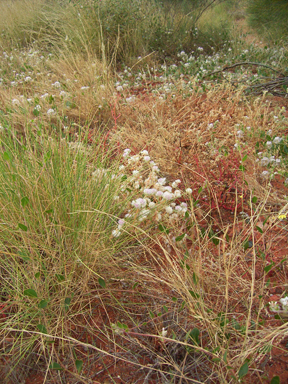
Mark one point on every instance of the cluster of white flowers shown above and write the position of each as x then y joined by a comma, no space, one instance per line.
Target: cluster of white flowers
155,199
275,307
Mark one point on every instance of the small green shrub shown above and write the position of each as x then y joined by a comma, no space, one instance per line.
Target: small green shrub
269,18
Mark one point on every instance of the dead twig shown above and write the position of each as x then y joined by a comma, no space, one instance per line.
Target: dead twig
244,63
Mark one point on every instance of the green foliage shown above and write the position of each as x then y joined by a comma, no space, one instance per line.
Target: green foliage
269,18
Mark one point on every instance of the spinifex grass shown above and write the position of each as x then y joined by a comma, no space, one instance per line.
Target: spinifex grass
50,251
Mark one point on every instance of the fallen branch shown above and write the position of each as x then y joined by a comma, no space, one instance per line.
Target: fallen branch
243,63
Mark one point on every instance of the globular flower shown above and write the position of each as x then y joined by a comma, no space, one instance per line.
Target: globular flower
150,191
277,140
240,134
139,203
155,168
126,152
145,153
159,193
265,174
146,158
121,222
269,144
189,191
274,306
169,210
168,195
177,193
152,204
116,233
15,102
264,161
284,303
50,112
162,181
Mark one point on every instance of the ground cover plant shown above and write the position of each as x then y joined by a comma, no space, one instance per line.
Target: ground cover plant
143,194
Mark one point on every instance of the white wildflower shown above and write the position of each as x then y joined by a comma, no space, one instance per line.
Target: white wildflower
264,161
50,112
277,140
169,210
167,195
116,233
177,193
162,181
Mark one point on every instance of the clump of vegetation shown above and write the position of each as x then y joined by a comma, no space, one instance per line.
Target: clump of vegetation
269,18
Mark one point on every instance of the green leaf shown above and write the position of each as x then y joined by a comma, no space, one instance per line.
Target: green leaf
42,328
200,190
36,112
162,228
49,211
215,240
268,267
194,294
23,227
79,365
30,293
254,199
37,275
102,282
186,215
174,299
259,229
244,158
165,309
24,201
241,167
59,277
216,359
194,335
225,356
181,237
67,303
6,156
122,325
55,366
275,380
195,278
43,304
243,370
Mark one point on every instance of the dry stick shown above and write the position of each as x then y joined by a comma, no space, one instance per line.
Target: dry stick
244,63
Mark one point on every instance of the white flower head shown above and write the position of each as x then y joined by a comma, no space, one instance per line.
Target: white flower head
264,161
274,306
169,210
189,191
168,195
177,193
50,112
116,233
162,181
277,140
